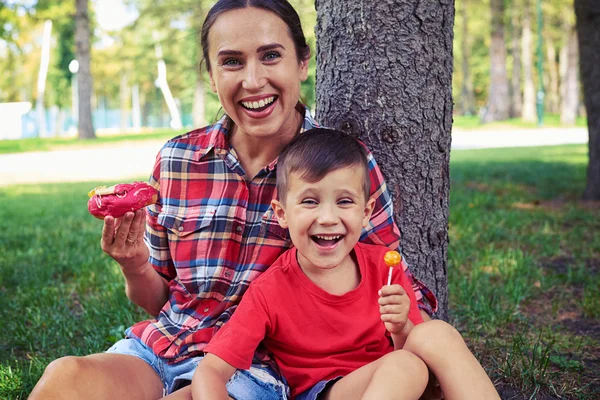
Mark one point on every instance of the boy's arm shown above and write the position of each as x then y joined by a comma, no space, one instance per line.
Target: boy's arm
210,378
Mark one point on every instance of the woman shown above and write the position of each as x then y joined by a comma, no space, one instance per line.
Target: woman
212,231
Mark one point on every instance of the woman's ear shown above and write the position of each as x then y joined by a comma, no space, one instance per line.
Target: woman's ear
368,211
304,69
279,213
213,87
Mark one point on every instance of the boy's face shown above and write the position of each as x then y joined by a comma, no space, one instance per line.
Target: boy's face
325,218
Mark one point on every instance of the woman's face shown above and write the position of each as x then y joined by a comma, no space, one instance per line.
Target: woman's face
255,72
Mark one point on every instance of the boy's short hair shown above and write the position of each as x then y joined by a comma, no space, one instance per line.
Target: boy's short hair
317,152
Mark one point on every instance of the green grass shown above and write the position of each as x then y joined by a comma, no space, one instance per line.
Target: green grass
474,122
48,144
523,272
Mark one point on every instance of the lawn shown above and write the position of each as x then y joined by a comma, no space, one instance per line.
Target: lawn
523,269
49,144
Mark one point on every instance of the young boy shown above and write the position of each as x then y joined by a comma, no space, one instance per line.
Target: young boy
324,309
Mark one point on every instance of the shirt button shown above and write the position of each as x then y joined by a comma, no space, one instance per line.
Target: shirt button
180,228
238,228
206,309
227,274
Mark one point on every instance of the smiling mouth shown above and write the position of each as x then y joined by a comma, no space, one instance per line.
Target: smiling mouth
326,240
260,105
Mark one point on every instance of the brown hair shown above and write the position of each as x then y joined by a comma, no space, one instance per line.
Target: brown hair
317,152
281,8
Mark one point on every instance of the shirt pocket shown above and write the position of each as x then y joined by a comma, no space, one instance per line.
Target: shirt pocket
182,225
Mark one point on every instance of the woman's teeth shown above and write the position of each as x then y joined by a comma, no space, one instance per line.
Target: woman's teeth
253,105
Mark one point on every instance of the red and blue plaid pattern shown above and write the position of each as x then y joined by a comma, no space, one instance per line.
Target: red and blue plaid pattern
213,232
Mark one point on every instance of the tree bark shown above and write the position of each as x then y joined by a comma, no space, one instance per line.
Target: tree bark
587,13
553,94
84,76
384,74
529,112
498,98
569,85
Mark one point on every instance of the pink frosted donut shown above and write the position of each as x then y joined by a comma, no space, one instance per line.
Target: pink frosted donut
118,199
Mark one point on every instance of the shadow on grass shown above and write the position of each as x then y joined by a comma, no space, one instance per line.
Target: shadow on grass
512,212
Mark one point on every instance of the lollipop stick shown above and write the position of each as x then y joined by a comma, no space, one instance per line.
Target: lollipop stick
390,276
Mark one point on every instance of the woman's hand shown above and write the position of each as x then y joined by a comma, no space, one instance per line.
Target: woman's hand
122,239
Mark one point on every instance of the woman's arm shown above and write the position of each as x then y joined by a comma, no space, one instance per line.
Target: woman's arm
122,240
210,379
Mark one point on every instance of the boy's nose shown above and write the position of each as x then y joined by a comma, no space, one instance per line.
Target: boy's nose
327,216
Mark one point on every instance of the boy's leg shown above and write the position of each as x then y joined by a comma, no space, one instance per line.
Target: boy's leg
98,376
446,354
397,375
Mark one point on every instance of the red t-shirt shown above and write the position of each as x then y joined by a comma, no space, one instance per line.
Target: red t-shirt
313,335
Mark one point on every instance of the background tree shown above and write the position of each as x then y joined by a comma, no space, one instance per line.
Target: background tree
384,74
588,29
84,76
498,101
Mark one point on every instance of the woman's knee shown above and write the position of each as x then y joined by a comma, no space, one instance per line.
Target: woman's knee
432,337
60,375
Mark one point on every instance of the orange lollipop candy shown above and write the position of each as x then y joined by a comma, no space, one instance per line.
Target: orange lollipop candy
392,259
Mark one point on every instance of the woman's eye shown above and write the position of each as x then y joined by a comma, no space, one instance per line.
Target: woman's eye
271,55
230,62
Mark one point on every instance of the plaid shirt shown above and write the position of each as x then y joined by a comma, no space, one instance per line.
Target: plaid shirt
213,232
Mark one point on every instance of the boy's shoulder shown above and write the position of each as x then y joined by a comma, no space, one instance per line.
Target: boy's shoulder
277,273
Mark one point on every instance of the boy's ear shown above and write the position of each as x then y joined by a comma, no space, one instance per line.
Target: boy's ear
368,211
279,213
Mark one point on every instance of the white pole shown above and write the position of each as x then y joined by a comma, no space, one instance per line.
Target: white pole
41,84
135,105
162,83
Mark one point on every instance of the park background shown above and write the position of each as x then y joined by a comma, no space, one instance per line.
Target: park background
524,251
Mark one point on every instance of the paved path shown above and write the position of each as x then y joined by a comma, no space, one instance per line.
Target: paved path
128,160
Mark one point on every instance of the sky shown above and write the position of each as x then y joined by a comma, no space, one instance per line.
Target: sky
113,14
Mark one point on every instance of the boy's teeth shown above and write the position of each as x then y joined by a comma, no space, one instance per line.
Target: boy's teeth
258,104
328,237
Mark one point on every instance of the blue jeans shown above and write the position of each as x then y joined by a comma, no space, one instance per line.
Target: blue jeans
256,383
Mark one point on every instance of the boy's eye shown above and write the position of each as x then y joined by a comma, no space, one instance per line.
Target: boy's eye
271,55
346,201
309,201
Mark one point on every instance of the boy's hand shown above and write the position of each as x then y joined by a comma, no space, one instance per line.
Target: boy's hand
394,305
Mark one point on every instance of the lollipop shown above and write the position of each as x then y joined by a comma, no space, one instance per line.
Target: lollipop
392,259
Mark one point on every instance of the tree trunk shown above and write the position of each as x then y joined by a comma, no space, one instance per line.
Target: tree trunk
569,63
515,89
553,96
587,13
529,112
498,98
84,76
124,103
467,97
384,74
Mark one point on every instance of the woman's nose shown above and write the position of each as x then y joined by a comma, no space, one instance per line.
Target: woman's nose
254,76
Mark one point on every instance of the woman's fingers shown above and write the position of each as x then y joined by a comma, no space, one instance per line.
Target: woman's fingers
123,231
108,233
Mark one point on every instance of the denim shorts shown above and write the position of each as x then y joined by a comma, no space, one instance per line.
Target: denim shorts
315,392
256,383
